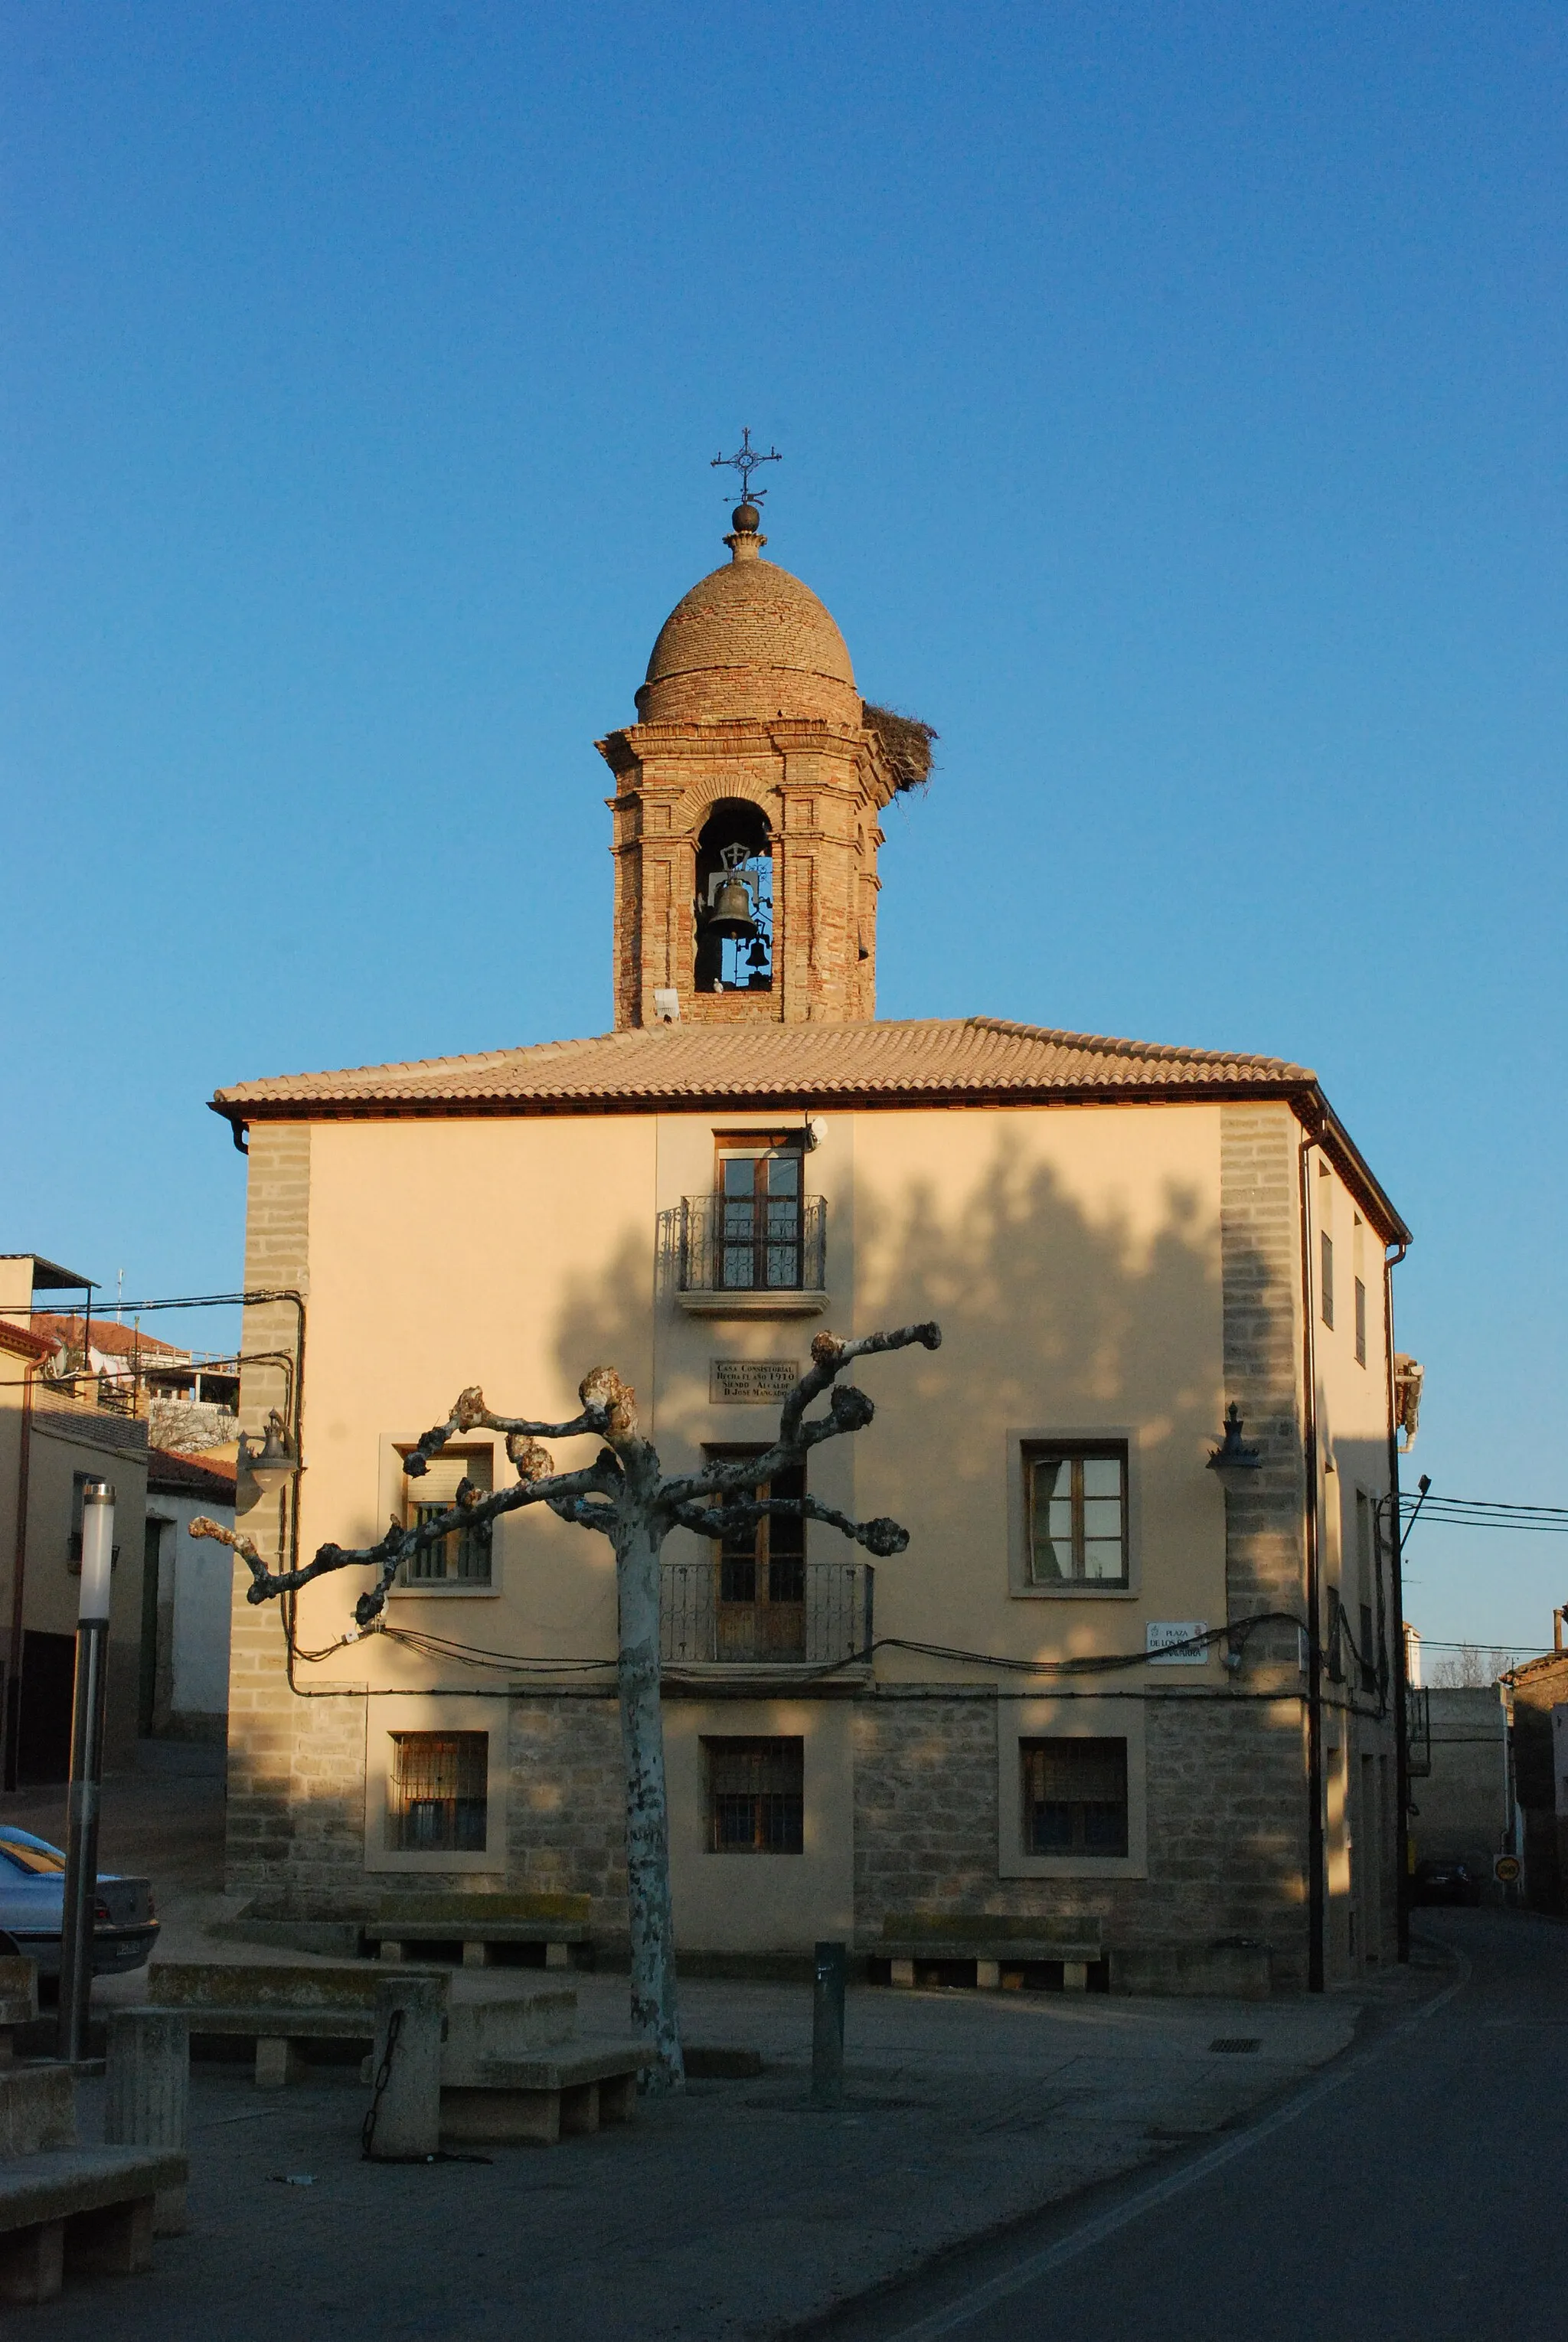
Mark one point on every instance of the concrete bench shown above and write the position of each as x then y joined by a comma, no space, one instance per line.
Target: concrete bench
89,2208
481,1923
503,2101
280,2008
991,1941
18,2002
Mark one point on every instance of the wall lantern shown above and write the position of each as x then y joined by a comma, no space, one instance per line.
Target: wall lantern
1230,1455
273,1464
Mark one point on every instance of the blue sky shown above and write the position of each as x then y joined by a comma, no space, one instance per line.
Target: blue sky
1172,407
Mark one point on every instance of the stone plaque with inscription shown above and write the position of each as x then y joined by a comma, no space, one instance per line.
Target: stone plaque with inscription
757,1381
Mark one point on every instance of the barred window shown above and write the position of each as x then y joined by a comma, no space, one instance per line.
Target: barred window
462,1558
756,1796
1360,1323
1077,1516
1074,1797
438,1791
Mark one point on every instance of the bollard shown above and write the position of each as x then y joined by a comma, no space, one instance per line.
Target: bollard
403,2123
148,2095
827,2026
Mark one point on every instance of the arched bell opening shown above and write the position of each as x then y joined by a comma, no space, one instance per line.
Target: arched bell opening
734,905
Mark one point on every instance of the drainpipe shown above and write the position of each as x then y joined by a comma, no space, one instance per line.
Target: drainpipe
1315,1882
18,1584
1396,1591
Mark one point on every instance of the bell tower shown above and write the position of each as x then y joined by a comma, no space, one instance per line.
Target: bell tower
747,808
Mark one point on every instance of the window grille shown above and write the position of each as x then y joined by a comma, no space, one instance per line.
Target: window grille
1326,1298
1360,1323
1078,1516
438,1791
1074,1797
756,1796
464,1558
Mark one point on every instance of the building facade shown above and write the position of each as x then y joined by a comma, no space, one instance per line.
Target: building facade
58,1431
1106,1683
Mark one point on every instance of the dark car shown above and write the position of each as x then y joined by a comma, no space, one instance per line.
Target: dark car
1446,1882
32,1908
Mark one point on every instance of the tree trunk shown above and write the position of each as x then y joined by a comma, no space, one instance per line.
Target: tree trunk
655,2014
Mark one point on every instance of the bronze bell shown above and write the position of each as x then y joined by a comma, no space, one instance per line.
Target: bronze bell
732,911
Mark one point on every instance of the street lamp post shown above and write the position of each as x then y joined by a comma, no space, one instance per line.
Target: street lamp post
86,1769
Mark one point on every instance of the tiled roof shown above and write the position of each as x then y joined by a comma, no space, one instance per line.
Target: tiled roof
110,1340
170,1475
933,1061
960,1058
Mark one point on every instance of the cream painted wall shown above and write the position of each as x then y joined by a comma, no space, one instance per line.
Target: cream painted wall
1071,1257
1070,1254
512,1254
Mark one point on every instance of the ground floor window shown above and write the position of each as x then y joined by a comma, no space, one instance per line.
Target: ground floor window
1074,1797
437,1792
756,1796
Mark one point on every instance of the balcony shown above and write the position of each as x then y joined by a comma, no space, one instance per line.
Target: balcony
719,1614
749,1256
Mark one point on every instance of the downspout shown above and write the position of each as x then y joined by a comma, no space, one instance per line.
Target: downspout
1315,1898
18,1584
1397,1597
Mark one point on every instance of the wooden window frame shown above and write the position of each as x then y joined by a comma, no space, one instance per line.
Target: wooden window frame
1076,1453
769,1232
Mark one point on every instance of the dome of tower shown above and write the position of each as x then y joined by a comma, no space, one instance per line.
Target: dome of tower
749,641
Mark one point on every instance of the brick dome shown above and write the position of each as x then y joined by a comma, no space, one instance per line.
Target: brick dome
749,641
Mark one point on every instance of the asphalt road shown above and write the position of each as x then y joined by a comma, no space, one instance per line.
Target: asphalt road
1412,2192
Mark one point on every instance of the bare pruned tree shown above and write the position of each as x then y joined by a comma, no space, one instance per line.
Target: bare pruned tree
625,1495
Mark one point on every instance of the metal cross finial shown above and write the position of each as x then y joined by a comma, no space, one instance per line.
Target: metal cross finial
746,462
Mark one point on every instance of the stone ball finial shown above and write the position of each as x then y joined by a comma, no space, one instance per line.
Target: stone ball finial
746,519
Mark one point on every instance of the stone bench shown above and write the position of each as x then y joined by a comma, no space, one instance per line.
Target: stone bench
991,1941
18,2002
481,1923
280,2008
504,2101
62,2205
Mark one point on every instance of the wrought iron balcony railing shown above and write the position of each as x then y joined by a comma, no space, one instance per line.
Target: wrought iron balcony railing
752,1244
813,1614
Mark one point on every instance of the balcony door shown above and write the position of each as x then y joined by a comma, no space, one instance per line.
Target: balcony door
760,1196
759,1578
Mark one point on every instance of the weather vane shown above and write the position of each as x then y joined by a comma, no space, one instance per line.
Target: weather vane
746,462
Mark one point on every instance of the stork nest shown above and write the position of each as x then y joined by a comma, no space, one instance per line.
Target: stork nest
905,742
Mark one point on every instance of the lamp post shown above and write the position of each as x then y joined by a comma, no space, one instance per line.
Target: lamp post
86,1769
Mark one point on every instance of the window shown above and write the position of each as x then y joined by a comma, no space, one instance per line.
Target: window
436,1793
1368,1654
1074,1797
1326,1243
1077,1516
756,1796
1360,1323
759,1207
462,1557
